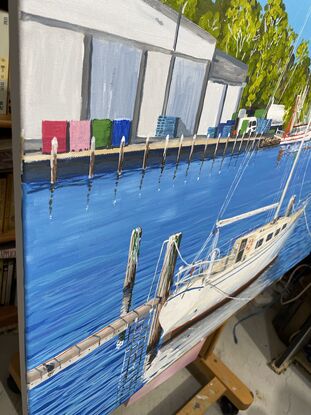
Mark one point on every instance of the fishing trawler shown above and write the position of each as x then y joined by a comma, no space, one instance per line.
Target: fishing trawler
298,133
295,133
203,286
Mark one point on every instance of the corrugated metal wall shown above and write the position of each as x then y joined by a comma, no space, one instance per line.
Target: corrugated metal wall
212,108
114,77
52,75
153,92
185,92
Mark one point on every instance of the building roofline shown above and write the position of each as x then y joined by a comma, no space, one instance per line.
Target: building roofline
186,23
230,58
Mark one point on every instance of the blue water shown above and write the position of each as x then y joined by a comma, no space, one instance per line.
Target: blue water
76,256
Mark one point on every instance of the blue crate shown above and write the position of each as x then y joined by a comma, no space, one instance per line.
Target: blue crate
212,132
121,128
166,125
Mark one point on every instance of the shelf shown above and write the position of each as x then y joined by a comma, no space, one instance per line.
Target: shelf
7,237
8,316
5,121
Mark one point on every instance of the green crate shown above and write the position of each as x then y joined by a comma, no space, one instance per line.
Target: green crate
244,126
260,113
101,130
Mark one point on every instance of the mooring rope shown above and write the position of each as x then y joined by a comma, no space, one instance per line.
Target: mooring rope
156,269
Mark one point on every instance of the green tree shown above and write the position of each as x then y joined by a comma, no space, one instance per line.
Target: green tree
211,16
271,56
296,81
190,9
243,21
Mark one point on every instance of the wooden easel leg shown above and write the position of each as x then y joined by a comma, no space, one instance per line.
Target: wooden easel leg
217,380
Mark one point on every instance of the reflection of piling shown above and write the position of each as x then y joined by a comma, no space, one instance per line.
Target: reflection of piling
165,282
130,275
53,160
165,150
179,148
146,154
192,148
121,155
217,144
92,158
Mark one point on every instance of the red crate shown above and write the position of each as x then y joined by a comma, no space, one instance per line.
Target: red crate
51,129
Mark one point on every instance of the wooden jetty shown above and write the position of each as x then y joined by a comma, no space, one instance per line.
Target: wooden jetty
174,143
76,352
81,349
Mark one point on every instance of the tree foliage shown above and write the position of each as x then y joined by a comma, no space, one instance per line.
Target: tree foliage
264,40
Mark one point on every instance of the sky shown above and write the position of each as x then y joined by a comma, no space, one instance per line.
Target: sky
297,11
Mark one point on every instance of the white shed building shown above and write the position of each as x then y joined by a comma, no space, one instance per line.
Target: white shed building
115,59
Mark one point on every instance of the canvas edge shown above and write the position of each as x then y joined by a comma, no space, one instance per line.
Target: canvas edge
16,148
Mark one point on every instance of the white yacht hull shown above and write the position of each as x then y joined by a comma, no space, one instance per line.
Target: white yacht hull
197,299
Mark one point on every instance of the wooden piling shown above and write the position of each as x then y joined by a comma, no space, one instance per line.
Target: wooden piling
192,148
146,154
226,145
165,282
165,150
217,144
130,275
243,135
53,160
179,148
235,142
205,147
121,155
249,137
92,158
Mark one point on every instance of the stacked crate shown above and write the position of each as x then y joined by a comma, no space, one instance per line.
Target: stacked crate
212,132
166,126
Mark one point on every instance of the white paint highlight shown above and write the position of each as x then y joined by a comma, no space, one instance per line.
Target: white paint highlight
153,92
185,93
51,67
231,102
212,106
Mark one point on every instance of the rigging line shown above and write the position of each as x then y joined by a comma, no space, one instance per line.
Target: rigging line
228,198
225,294
304,176
294,48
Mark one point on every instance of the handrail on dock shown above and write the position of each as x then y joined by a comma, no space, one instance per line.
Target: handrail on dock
76,352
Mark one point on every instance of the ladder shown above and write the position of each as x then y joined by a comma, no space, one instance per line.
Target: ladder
134,358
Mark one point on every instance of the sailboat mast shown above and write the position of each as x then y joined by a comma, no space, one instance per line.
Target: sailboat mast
277,212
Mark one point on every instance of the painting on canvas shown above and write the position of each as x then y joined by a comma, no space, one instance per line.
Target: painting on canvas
165,179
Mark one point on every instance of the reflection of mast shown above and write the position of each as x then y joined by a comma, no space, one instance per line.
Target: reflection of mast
293,119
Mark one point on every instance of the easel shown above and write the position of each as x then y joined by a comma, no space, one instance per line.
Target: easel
217,381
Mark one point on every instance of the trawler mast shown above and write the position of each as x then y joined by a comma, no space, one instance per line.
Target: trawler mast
277,212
